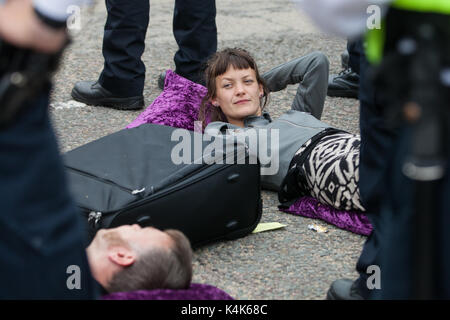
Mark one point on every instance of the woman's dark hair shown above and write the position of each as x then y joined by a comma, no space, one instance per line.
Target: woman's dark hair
217,65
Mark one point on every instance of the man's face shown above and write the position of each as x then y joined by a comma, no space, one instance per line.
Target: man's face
133,237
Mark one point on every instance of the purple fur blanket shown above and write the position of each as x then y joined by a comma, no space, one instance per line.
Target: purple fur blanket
353,221
195,292
178,105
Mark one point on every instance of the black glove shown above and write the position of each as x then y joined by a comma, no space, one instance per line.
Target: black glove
24,74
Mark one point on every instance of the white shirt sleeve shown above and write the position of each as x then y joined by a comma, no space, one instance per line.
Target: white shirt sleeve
344,18
57,9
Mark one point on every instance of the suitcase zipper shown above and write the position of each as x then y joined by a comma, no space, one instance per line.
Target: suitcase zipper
196,171
111,183
138,203
94,217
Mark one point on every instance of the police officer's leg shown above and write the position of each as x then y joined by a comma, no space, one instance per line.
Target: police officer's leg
355,51
396,240
346,83
123,45
377,146
443,274
376,152
399,248
310,72
194,29
42,242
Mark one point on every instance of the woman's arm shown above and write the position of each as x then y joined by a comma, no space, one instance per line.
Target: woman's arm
310,72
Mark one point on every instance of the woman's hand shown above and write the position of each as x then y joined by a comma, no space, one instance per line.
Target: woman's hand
20,26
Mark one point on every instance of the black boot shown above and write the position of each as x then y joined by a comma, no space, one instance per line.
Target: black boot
344,289
345,84
92,93
161,80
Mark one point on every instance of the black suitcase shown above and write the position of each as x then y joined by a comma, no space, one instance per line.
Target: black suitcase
131,177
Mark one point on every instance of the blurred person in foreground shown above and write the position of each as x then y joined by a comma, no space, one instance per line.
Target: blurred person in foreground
41,235
388,193
42,238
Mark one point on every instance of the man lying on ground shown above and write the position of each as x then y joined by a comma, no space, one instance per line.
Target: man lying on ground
130,258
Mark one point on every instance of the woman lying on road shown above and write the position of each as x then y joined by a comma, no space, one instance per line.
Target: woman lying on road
314,158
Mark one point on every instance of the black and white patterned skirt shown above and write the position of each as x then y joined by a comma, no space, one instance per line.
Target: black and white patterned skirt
330,172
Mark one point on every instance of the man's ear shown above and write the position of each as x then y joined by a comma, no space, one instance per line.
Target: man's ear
261,91
121,256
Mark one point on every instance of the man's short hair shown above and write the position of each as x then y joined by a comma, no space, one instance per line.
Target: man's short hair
158,268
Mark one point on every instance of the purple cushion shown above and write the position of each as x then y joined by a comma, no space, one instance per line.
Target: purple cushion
177,106
353,221
195,292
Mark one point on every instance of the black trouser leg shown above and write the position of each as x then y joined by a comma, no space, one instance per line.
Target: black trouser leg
194,29
123,45
355,52
376,153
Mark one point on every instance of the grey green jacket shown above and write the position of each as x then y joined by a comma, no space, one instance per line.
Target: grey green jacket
292,130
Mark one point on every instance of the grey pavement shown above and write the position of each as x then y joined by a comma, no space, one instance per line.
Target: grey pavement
290,263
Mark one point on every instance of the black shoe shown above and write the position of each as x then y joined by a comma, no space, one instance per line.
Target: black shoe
161,80
344,289
92,93
345,84
345,57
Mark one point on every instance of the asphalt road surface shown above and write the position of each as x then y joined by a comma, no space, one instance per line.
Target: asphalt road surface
289,263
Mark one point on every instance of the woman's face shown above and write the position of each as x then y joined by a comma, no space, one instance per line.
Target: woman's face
238,94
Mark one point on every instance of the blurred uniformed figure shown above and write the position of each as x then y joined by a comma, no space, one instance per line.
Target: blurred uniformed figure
42,240
404,175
